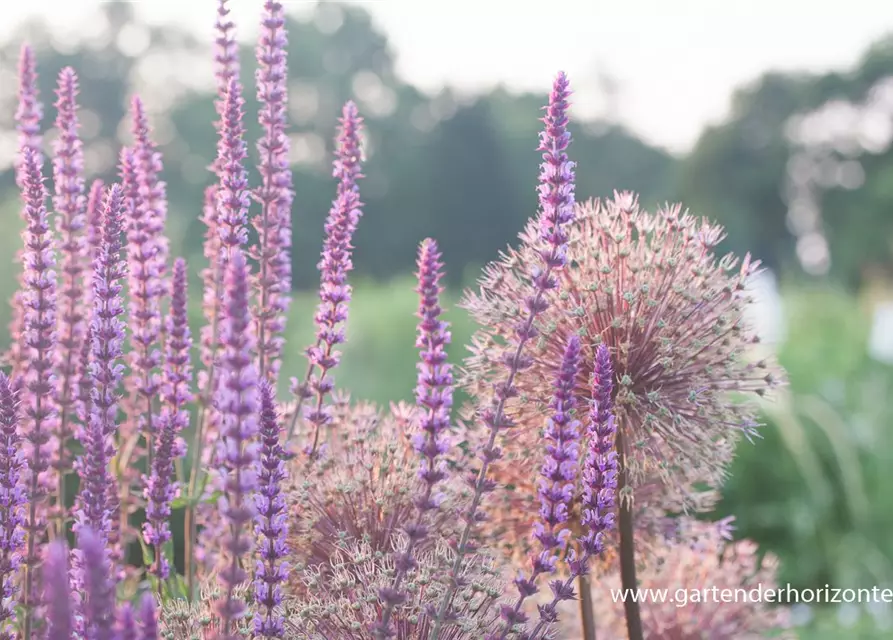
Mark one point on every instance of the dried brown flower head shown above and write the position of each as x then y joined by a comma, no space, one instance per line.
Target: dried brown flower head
672,313
701,558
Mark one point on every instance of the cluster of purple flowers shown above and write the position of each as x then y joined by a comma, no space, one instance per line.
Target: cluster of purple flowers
111,376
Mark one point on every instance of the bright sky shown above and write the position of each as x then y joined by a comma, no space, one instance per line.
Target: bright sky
676,62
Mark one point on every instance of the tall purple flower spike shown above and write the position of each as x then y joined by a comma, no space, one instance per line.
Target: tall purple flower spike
56,593
148,618
600,472
29,114
99,590
96,506
334,292
40,380
161,489
13,503
70,204
126,625
273,225
556,200
271,521
237,455
434,397
232,193
555,487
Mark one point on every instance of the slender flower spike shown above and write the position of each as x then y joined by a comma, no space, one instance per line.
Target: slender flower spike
434,397
95,509
28,117
226,52
126,626
40,340
273,225
556,485
153,191
148,619
271,523
600,472
12,505
56,593
334,292
70,205
99,601
175,391
238,404
232,193
556,200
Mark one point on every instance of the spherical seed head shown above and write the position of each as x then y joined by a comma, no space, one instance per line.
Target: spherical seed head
670,314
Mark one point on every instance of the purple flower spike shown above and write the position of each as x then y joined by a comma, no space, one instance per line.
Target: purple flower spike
126,627
232,193
153,191
99,591
556,200
273,225
237,455
271,523
28,117
12,504
40,380
96,505
56,593
434,396
160,488
226,50
334,292
600,472
556,485
148,618
70,205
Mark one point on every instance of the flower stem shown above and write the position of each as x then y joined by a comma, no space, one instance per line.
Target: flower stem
587,614
628,580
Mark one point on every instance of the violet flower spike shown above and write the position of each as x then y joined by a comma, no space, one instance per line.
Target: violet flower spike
70,205
555,488
556,201
161,489
40,380
434,397
273,225
56,593
13,503
237,456
271,521
232,193
148,618
99,597
126,625
95,509
29,114
334,292
600,474
153,190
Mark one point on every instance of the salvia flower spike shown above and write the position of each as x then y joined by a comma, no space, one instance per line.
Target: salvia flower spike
56,593
13,502
556,200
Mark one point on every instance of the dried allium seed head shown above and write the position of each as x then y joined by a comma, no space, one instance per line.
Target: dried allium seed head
702,556
671,313
342,597
363,490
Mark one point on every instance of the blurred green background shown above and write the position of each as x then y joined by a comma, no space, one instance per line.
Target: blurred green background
800,172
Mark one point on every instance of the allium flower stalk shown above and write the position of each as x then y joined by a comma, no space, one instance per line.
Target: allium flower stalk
556,199
12,505
28,117
271,521
600,475
556,485
237,456
99,590
40,380
273,224
334,291
70,205
56,593
434,397
161,489
96,508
